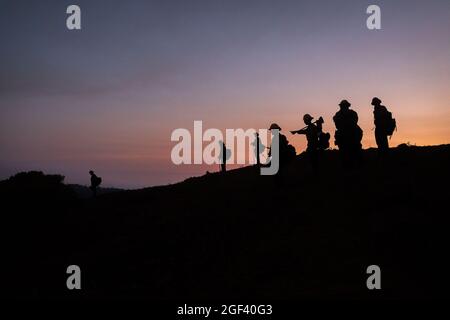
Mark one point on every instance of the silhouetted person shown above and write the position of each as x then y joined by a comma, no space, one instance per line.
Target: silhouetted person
312,131
224,155
286,151
348,134
95,183
384,124
259,148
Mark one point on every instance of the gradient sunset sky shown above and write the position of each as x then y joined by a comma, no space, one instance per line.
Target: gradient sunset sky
107,97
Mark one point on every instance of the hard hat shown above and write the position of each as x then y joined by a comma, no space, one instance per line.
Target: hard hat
344,103
375,101
274,126
307,117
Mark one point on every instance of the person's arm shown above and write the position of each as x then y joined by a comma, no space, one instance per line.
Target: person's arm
301,131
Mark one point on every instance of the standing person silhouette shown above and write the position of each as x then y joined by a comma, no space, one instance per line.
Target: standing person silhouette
383,122
348,134
258,148
312,131
95,183
224,155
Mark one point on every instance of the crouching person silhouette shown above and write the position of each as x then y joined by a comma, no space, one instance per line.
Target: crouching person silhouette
95,183
281,152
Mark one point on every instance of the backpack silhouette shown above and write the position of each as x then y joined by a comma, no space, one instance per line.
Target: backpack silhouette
96,181
391,124
324,140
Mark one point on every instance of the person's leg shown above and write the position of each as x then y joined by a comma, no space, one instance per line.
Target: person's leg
377,139
382,140
94,191
385,142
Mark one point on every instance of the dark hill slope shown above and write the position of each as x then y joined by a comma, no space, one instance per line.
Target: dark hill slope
245,235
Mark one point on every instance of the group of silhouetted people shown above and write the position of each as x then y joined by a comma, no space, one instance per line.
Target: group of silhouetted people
348,135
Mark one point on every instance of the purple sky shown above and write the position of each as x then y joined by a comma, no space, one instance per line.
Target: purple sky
107,97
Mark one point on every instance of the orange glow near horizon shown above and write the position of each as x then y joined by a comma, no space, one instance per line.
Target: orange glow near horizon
108,97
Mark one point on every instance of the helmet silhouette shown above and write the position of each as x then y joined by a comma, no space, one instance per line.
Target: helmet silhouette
307,117
344,103
375,101
274,126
